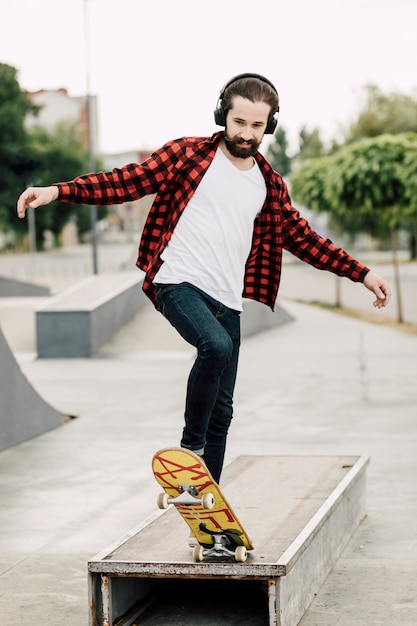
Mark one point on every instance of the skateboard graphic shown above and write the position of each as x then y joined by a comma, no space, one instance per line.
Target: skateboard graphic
188,485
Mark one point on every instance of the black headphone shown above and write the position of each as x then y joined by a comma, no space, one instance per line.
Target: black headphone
219,112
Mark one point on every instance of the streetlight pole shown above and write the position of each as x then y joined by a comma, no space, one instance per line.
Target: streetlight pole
91,163
32,242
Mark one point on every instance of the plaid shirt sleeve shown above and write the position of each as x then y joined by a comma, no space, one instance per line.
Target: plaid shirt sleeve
125,184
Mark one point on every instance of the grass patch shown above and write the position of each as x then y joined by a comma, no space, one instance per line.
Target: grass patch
373,318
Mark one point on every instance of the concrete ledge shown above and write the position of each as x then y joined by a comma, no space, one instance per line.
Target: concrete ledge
78,321
300,512
311,556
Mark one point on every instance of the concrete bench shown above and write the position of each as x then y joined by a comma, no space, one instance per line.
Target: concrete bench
78,321
300,512
257,317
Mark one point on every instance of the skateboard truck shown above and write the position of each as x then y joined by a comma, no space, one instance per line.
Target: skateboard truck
187,497
219,549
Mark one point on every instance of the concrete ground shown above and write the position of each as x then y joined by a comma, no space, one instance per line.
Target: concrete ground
322,384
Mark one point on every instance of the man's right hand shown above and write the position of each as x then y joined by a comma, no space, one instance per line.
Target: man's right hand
33,197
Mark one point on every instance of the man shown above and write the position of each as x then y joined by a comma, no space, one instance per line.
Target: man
236,218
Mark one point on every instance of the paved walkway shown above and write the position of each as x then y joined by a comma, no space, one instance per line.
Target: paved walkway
322,384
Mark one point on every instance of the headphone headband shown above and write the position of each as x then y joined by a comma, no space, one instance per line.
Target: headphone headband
220,114
246,75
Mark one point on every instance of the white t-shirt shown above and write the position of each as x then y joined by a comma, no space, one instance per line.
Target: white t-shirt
212,240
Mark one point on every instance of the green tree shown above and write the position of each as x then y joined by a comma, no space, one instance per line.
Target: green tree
382,113
309,185
409,179
310,144
15,156
368,186
39,157
373,175
277,152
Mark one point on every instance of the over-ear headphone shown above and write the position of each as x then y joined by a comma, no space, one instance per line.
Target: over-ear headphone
220,114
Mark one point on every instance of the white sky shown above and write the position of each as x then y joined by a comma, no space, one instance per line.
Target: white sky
157,66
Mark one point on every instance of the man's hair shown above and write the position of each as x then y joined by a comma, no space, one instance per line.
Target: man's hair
253,89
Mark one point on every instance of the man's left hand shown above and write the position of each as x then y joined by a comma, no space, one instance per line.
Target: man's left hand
379,287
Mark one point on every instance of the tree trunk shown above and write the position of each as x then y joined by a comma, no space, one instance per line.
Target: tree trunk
338,291
413,242
397,283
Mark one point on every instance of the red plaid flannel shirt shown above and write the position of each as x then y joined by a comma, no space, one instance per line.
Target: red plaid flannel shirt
173,173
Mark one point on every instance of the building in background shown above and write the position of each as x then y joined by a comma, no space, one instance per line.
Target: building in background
55,105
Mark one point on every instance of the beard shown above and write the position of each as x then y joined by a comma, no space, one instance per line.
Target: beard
240,148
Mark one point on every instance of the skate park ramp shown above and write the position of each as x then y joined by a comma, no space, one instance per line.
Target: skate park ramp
12,288
24,414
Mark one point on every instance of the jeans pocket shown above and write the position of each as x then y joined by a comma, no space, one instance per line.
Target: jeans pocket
161,291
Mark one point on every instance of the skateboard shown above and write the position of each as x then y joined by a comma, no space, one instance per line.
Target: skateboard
189,486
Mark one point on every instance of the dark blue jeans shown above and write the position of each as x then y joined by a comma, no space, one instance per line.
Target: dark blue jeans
214,330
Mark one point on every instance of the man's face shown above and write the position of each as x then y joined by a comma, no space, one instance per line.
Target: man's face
245,126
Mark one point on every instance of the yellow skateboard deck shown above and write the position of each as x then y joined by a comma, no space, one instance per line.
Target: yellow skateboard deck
188,485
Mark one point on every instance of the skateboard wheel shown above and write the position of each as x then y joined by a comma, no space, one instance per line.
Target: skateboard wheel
162,501
241,554
207,501
198,553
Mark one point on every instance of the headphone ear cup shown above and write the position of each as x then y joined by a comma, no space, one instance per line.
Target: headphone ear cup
219,116
272,124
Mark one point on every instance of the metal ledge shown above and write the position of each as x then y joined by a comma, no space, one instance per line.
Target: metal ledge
300,511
